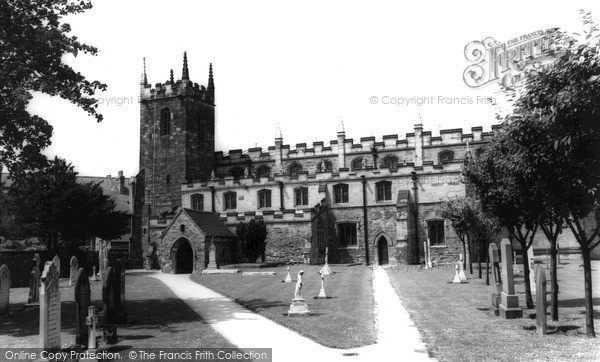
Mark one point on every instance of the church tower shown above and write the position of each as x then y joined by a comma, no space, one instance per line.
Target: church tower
177,138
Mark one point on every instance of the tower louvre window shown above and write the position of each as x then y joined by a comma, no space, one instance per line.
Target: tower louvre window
165,122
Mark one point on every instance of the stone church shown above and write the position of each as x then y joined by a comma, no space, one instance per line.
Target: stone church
366,200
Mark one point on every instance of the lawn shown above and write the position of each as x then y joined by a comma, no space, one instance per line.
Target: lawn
457,324
157,318
346,320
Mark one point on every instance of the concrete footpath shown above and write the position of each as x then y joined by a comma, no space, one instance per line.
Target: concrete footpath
397,335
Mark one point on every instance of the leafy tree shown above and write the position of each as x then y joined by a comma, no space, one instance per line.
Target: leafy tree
32,47
252,238
459,211
49,203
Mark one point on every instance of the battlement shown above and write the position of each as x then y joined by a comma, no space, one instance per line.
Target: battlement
175,89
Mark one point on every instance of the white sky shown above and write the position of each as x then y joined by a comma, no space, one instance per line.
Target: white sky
302,64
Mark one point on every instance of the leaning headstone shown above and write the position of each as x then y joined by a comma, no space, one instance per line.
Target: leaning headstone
509,301
288,277
325,269
4,291
82,302
50,308
457,279
212,256
322,294
541,320
56,262
298,306
495,262
461,271
73,270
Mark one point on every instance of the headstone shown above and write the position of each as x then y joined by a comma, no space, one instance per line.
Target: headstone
101,255
4,291
325,269
212,256
531,260
94,276
73,270
113,303
56,262
457,279
298,306
288,277
34,287
542,303
91,320
82,302
516,269
509,301
495,263
461,271
50,308
322,294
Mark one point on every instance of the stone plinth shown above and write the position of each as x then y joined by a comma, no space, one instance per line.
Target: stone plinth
298,308
509,301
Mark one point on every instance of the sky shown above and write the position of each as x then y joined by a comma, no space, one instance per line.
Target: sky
302,64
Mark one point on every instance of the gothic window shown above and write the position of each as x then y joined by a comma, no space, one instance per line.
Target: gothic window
384,190
357,164
264,198
295,169
165,122
236,172
390,162
347,234
340,193
301,195
263,171
230,200
197,202
446,156
435,232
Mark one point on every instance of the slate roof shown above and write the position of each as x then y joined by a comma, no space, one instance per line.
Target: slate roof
210,223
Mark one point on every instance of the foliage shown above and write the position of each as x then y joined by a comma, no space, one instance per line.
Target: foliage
34,43
49,203
252,238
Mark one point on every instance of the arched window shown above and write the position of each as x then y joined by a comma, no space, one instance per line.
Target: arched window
295,169
340,193
435,232
197,202
384,190
390,162
236,172
263,171
264,198
301,195
357,164
446,156
324,166
230,200
165,122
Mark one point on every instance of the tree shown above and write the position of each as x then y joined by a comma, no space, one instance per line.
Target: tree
50,204
556,120
252,238
33,44
459,211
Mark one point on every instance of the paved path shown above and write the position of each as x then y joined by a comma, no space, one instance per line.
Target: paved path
397,335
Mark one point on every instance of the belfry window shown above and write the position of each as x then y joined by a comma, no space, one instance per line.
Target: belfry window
165,122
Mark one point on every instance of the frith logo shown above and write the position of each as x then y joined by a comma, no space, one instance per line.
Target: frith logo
507,63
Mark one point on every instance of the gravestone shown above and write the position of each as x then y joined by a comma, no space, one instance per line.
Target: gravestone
4,291
94,276
82,302
298,306
73,270
212,256
101,263
91,321
509,301
457,279
34,287
112,304
288,277
322,294
542,303
516,269
50,308
325,269
531,261
56,262
495,262
461,271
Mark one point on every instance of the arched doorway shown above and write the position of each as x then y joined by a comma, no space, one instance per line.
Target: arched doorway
182,257
382,251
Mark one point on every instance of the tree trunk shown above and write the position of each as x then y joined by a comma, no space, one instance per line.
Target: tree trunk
468,255
479,259
528,297
589,308
464,245
487,269
553,282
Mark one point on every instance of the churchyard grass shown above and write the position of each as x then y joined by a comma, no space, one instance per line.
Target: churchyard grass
457,323
345,320
157,318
